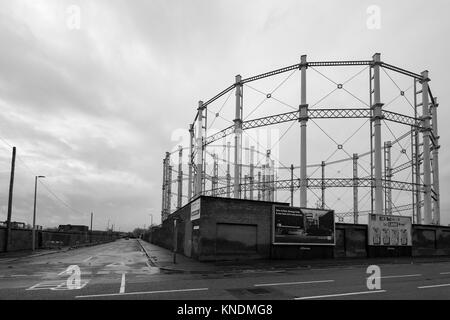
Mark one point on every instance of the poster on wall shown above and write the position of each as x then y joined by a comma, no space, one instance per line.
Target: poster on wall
387,230
301,226
195,210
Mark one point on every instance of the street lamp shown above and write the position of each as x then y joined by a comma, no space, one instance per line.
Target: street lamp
33,240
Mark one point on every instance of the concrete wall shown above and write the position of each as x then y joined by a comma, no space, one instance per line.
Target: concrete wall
163,235
351,241
21,238
227,229
231,229
430,240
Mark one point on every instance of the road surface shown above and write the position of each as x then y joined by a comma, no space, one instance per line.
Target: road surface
120,270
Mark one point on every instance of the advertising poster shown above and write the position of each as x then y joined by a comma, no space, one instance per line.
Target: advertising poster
292,225
389,230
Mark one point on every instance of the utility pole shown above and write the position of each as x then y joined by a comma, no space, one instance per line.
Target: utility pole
11,186
33,236
92,216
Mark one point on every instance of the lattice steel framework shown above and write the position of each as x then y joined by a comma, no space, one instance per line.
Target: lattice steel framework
262,183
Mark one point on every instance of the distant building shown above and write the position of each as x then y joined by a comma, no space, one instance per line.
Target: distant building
14,224
70,228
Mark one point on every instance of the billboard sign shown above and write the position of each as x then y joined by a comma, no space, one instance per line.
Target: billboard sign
302,226
389,230
195,210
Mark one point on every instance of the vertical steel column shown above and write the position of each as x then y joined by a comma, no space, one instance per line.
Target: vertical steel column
199,176
268,180
387,177
163,205
205,154
169,192
169,186
437,197
371,139
228,170
180,177
417,160
252,170
322,205
377,116
292,185
426,150
272,181
238,139
215,179
413,187
303,111
355,188
190,161
264,187
167,183
245,186
259,185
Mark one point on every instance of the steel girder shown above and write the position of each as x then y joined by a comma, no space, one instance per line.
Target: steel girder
401,167
405,207
355,113
314,64
317,183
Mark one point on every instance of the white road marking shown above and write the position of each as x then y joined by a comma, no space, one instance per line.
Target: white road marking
435,286
444,273
19,275
103,272
290,283
401,276
56,285
122,284
340,294
63,286
137,293
45,285
86,260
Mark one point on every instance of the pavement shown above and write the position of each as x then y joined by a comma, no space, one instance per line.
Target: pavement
122,270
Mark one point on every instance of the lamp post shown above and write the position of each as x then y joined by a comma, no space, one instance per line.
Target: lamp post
33,240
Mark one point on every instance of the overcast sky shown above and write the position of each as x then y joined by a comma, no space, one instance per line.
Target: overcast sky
94,108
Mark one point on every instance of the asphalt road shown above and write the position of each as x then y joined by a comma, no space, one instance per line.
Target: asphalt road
120,270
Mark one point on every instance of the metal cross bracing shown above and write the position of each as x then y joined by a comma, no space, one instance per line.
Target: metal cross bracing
356,113
395,164
318,184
